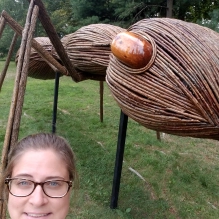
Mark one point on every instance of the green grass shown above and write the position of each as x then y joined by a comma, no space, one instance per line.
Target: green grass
180,175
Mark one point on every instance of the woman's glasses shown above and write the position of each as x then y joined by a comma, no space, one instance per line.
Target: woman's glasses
23,187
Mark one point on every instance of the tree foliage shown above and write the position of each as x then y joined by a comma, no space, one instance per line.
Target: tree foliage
194,10
129,12
11,7
69,15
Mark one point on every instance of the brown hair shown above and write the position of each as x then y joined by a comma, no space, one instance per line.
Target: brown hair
43,141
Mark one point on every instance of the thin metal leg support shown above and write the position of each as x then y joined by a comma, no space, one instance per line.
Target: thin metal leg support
55,102
119,160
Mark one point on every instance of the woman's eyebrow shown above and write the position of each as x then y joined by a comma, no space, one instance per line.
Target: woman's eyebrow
54,177
26,175
23,175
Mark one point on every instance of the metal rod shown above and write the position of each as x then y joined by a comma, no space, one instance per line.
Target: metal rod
101,100
55,102
119,160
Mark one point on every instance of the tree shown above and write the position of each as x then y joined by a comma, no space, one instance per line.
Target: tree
203,12
85,12
69,15
61,15
59,11
194,10
129,12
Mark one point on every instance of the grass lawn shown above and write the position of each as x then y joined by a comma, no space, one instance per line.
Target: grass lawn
179,176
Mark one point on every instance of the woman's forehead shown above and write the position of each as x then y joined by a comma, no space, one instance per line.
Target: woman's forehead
40,163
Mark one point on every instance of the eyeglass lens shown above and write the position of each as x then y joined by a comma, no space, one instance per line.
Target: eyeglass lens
23,187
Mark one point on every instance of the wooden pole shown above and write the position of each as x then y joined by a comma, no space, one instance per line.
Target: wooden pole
6,145
24,74
2,186
54,38
158,135
2,25
16,86
4,71
41,51
18,93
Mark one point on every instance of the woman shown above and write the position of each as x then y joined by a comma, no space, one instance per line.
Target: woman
39,177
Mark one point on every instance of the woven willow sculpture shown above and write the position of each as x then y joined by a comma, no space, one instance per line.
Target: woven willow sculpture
89,47
179,92
38,67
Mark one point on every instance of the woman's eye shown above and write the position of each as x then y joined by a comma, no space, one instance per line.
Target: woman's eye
53,183
23,183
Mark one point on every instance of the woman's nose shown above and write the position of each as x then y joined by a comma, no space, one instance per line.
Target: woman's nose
38,197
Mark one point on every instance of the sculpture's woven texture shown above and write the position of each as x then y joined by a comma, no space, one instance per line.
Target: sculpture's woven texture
89,47
38,67
179,93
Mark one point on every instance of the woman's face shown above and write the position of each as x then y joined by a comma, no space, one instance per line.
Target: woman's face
39,166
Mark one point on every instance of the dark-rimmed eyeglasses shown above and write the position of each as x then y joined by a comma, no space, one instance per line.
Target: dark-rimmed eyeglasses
20,187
